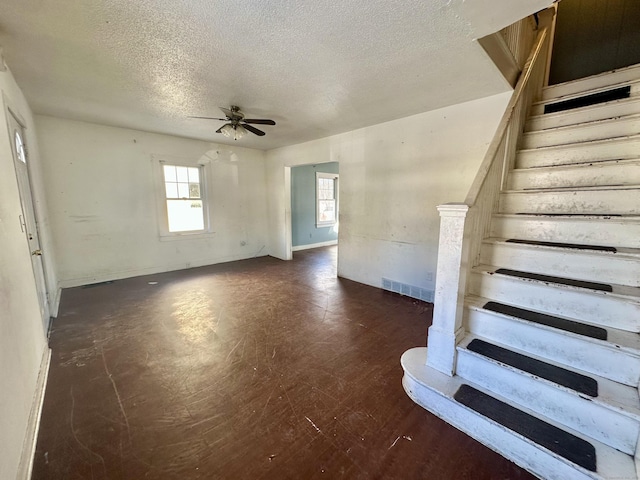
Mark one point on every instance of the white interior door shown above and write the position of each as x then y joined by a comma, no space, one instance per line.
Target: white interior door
28,218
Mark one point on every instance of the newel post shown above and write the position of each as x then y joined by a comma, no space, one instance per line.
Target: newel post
447,330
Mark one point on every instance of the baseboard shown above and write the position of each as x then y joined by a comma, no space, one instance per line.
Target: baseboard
29,447
55,305
139,272
314,245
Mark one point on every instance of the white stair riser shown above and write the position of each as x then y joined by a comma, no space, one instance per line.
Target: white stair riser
586,202
623,172
602,81
592,113
584,416
605,267
588,132
432,395
615,149
597,308
607,232
560,347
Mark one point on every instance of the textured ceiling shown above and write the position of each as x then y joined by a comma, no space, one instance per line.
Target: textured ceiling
316,67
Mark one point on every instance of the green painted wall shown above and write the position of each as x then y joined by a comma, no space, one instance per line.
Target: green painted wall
303,205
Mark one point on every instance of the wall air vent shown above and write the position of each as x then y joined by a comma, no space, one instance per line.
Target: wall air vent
408,290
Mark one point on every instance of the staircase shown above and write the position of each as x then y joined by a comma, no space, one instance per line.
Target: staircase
548,365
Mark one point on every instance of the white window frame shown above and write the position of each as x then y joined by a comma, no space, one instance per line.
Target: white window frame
334,177
162,213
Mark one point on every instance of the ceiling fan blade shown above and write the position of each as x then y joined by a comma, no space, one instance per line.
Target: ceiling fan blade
259,121
226,111
211,118
254,130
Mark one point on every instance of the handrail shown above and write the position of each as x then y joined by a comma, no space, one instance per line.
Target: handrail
494,146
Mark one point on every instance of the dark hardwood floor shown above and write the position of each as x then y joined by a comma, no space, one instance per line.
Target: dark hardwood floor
258,369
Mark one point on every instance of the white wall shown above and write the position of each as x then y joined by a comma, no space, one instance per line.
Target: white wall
22,338
392,177
101,194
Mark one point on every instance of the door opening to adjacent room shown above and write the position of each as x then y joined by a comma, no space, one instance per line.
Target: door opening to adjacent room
314,206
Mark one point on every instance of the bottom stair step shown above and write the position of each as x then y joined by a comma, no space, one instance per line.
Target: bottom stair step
435,391
565,444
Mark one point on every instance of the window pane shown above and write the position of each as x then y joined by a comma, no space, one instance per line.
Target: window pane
326,211
172,190
326,188
183,174
194,190
183,190
185,215
194,175
170,173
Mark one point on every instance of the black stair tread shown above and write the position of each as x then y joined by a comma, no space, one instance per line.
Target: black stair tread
558,441
548,320
576,246
563,281
587,100
575,381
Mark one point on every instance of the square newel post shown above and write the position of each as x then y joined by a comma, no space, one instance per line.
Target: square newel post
446,330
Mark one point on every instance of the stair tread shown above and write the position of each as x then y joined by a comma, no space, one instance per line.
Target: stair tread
610,394
618,340
579,93
595,188
628,293
565,444
550,117
588,98
568,216
585,165
610,462
596,250
584,142
555,374
577,126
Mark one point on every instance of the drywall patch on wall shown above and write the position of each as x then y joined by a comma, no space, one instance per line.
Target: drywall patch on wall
303,206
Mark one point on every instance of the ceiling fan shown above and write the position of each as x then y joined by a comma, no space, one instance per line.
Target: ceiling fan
238,126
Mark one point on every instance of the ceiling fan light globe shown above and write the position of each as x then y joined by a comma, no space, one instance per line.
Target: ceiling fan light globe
228,131
240,132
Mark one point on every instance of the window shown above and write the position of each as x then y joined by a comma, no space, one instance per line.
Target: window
20,148
183,195
326,199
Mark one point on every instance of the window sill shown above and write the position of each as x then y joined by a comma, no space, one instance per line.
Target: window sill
172,237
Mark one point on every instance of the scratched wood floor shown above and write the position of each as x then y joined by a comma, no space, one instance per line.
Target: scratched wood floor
258,369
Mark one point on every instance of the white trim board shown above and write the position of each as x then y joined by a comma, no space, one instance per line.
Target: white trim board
314,245
31,437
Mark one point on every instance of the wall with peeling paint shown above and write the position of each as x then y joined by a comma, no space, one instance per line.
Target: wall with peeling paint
392,177
102,194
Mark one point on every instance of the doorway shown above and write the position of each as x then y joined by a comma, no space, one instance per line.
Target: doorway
28,222
314,205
